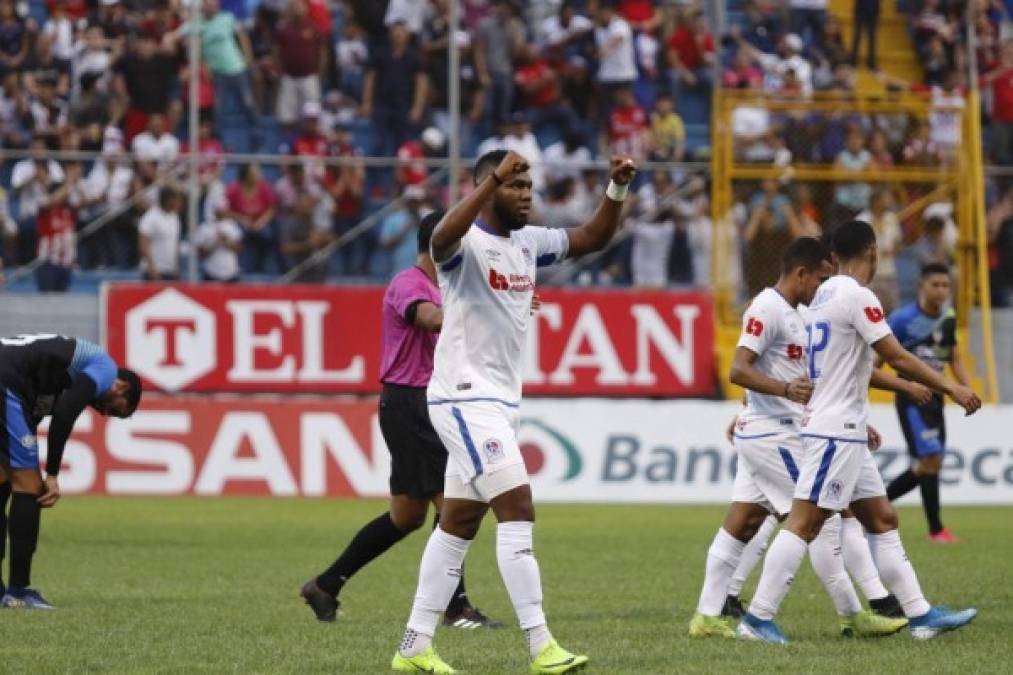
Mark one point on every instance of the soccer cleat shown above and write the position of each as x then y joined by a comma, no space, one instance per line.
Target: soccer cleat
323,604
710,626
470,618
733,607
752,628
426,661
554,659
866,624
888,607
24,598
944,536
940,620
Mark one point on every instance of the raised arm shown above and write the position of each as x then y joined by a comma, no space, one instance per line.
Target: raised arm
596,233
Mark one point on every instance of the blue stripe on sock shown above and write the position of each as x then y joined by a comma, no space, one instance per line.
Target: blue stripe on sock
789,463
821,473
468,443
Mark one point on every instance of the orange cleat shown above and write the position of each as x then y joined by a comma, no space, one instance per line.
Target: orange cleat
944,536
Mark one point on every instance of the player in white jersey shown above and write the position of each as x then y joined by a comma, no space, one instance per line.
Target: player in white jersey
845,326
487,257
770,364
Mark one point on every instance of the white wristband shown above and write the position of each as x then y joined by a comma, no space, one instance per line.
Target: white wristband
617,192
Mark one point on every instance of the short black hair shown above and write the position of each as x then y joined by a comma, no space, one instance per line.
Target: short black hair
928,269
134,393
852,239
807,252
486,164
164,195
426,227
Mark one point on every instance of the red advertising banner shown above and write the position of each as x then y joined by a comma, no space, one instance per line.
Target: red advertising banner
313,339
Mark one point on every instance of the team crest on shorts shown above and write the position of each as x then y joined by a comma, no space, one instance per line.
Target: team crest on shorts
493,450
834,490
29,441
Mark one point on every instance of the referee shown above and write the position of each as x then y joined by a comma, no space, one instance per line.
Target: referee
412,318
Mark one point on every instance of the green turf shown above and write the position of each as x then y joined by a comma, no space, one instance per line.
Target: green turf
210,586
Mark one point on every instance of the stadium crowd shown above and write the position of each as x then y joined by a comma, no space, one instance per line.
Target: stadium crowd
563,82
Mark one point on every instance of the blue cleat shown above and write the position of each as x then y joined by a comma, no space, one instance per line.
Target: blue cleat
751,628
24,598
940,620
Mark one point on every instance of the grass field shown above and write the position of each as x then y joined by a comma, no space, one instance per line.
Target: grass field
210,586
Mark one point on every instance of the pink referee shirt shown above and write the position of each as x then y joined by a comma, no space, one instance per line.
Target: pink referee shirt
407,357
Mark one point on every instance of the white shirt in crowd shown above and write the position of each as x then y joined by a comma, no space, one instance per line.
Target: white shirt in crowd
163,149
413,12
560,164
553,33
615,47
110,185
30,194
776,69
652,246
61,35
216,241
808,4
162,229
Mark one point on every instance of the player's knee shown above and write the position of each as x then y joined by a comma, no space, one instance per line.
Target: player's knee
884,519
410,521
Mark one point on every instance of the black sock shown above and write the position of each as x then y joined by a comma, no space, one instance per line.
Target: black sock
930,502
369,543
901,485
5,494
23,525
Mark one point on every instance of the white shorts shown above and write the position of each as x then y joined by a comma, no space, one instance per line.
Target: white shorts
767,470
836,472
481,442
487,486
293,94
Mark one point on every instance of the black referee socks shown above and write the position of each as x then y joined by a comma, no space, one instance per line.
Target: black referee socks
369,543
23,527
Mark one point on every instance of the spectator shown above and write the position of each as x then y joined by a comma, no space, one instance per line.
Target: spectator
159,232
48,112
566,32
156,144
653,230
252,206
1000,249
141,81
691,54
42,65
304,214
93,57
397,231
617,68
808,212
412,13
930,247
866,17
15,36
762,26
889,239
694,210
521,140
668,133
742,74
411,167
931,24
210,168
562,206
852,198
264,73
919,148
1001,127
301,56
831,47
642,15
564,158
57,247
772,226
539,89
351,56
31,180
395,91
346,186
219,242
496,40
8,233
58,34
808,18
312,142
108,188
789,62
112,19
629,131
879,149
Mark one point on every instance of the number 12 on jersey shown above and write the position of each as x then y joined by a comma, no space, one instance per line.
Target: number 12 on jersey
819,337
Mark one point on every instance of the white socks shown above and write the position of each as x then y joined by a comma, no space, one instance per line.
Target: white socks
858,560
515,554
898,573
783,559
825,556
751,556
439,575
722,559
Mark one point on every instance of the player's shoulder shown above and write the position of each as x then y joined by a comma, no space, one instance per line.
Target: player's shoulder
904,313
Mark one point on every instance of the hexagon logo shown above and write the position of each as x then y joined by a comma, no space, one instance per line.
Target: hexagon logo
171,340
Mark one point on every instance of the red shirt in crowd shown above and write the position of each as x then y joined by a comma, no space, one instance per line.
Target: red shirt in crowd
684,42
57,239
410,170
628,127
636,11
251,204
349,203
211,150
75,9
1002,97
545,94
299,47
320,13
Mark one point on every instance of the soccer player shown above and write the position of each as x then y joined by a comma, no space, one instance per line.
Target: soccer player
46,375
487,259
412,318
845,325
928,328
769,363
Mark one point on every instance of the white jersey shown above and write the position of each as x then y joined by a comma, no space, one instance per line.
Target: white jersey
844,319
486,287
774,331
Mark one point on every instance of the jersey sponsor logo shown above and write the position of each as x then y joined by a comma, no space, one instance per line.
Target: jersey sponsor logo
517,283
795,352
497,281
493,450
874,314
754,327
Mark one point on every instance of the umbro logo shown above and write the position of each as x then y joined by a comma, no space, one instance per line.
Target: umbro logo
492,254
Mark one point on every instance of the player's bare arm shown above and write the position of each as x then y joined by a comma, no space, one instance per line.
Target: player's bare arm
459,218
915,391
958,368
907,363
429,317
745,374
596,233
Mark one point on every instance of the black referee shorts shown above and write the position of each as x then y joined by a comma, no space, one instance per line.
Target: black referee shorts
418,458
